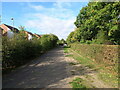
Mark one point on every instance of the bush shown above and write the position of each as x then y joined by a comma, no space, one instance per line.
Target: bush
18,50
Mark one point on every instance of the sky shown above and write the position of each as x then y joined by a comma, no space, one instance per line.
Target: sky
43,17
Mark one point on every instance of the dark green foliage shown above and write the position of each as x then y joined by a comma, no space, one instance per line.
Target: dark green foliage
96,19
69,39
18,50
74,36
61,42
48,41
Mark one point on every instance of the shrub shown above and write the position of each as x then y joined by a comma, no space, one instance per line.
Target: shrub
18,50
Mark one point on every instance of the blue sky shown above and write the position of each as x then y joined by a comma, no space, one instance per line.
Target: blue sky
43,17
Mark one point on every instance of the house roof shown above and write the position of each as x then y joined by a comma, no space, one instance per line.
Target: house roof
37,35
5,26
28,32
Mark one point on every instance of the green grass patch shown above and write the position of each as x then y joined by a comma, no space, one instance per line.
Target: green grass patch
78,83
70,55
65,50
85,61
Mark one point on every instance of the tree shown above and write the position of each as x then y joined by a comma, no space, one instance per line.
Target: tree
70,38
21,28
96,18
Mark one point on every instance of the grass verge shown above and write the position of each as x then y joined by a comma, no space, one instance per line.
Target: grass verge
103,73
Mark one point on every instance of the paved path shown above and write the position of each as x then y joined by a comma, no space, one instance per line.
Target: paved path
49,70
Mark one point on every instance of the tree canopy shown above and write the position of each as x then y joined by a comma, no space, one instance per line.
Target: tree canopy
98,22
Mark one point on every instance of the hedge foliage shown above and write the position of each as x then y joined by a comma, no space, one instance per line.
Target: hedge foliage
106,55
18,50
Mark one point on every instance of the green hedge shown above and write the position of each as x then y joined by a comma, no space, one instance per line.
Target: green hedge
18,50
106,55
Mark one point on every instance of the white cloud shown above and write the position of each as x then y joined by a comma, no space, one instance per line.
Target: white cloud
59,10
37,7
62,4
58,20
47,25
